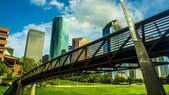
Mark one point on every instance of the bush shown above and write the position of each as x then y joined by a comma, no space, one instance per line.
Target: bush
6,82
167,79
134,80
119,79
106,78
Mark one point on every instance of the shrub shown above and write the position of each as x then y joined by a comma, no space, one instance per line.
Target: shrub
119,79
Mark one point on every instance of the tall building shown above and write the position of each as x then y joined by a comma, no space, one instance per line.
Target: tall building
6,53
45,58
59,37
3,40
78,42
34,45
111,27
162,70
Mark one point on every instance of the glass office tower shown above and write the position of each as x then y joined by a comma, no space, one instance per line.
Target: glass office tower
59,37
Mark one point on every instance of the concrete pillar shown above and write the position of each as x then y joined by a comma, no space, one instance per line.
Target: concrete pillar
151,79
32,90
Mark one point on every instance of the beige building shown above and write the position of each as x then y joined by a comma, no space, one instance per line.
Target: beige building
6,53
34,45
3,41
78,42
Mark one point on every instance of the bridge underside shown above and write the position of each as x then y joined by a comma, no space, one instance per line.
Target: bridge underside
124,56
113,51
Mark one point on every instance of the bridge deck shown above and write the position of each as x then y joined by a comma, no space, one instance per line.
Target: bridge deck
111,51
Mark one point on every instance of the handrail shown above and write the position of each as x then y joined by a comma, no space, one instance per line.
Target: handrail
138,24
147,35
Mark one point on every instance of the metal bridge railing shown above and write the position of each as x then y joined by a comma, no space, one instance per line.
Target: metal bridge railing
149,29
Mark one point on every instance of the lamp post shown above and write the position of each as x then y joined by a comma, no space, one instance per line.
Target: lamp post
151,79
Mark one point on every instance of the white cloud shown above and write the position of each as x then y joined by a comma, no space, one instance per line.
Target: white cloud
57,4
38,2
48,5
18,40
149,7
89,17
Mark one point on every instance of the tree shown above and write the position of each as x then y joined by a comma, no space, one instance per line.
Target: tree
2,68
119,79
9,75
28,64
167,79
107,78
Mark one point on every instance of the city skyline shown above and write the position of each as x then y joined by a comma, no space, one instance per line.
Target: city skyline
109,43
43,11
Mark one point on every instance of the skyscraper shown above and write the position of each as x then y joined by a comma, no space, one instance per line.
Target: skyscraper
45,58
59,37
162,70
78,42
111,27
3,41
34,45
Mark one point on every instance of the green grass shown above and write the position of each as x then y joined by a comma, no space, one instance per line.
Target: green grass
3,89
95,90
68,82
71,88
102,90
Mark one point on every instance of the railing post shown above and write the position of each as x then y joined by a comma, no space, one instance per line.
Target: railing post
143,34
19,88
151,79
108,45
86,53
33,88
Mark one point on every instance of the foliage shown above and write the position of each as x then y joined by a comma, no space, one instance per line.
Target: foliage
28,64
10,74
2,68
134,80
167,79
106,78
92,78
119,79
163,80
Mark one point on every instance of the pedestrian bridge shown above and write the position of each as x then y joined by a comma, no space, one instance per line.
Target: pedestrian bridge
115,51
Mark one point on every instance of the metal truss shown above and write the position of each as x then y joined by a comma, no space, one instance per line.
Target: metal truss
106,52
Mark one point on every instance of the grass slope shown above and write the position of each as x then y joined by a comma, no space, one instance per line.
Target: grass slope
71,88
3,89
98,90
90,89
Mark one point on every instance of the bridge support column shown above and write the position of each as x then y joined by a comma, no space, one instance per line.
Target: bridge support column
19,88
151,79
32,90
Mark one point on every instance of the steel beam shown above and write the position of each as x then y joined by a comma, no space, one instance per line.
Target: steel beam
19,88
151,79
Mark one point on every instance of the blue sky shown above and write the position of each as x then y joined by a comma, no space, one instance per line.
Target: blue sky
18,13
87,17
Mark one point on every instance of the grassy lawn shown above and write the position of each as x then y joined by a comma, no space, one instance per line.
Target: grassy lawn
93,90
67,87
2,89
